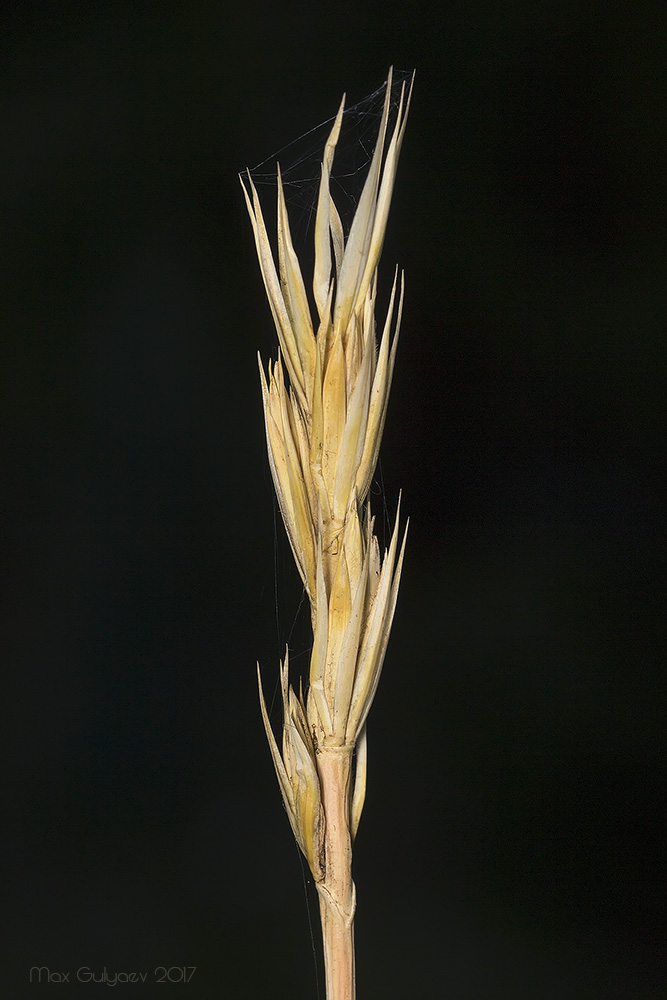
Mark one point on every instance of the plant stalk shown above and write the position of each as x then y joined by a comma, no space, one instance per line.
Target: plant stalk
336,890
325,401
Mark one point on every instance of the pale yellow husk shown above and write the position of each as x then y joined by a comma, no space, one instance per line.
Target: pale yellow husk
325,401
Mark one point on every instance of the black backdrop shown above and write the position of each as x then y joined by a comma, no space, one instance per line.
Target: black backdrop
510,842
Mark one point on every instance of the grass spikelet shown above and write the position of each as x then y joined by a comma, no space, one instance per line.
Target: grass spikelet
325,401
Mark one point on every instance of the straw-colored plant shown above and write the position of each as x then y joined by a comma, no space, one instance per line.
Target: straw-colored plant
325,400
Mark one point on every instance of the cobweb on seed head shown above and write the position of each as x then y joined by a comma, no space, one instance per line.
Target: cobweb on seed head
300,163
300,166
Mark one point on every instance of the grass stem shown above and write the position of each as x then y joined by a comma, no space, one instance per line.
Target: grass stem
325,400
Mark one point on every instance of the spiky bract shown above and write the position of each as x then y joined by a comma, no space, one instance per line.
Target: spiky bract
325,401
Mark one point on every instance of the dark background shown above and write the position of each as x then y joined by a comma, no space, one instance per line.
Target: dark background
512,843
